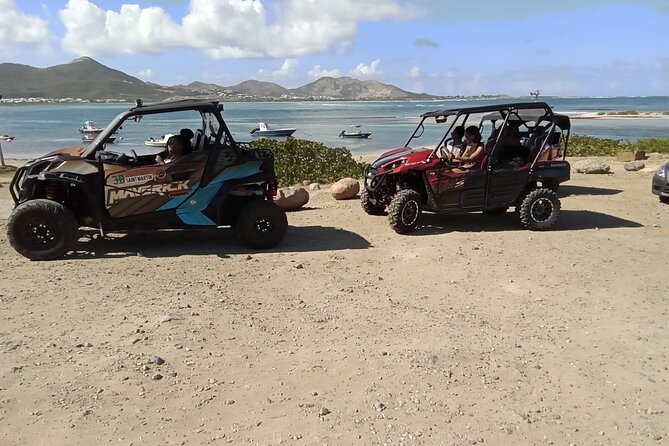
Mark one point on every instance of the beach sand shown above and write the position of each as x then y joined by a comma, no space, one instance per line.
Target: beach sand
469,331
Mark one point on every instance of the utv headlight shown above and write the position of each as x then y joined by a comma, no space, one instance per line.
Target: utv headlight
395,165
663,171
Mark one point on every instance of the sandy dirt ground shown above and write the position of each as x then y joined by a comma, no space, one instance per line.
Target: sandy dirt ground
471,330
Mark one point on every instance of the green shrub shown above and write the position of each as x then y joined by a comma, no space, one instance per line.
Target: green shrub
296,160
580,145
649,145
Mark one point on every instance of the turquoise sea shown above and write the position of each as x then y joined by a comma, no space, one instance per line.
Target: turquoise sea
40,128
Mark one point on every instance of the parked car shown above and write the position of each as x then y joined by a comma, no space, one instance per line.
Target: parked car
661,183
218,182
422,176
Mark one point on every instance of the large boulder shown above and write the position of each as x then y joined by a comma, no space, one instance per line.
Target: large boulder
345,188
592,167
634,166
291,199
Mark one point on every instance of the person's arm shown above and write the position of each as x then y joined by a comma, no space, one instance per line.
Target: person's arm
473,156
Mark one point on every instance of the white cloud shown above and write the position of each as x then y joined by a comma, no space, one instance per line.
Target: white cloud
19,28
317,72
224,28
362,70
415,72
146,74
287,69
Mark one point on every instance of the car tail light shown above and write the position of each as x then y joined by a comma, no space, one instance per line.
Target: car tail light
271,191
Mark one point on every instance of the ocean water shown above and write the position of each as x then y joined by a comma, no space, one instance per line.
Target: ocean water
40,128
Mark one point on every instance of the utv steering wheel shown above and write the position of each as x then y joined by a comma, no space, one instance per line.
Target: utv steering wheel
135,158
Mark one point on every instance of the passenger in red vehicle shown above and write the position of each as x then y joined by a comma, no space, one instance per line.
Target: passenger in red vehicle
474,153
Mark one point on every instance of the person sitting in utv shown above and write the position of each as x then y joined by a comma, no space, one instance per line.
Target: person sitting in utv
510,153
456,145
474,153
176,148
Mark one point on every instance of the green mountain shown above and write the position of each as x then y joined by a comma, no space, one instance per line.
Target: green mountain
350,88
84,78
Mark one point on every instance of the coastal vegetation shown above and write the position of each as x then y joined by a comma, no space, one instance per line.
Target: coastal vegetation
296,160
580,145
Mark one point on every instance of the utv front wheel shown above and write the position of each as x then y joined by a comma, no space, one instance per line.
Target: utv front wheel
369,205
539,209
404,211
261,224
42,230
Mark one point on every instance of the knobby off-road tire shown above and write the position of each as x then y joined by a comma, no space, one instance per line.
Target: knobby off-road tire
42,229
369,205
261,224
404,211
539,209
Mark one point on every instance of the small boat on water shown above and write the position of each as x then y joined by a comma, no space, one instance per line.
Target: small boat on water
355,133
7,138
160,142
264,130
90,127
91,131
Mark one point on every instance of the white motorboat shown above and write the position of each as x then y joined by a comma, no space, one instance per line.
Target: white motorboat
91,131
160,142
90,127
355,133
264,130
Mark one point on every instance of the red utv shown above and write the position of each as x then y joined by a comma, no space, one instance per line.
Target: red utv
422,176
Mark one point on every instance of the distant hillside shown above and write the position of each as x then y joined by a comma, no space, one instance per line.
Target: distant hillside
350,88
89,80
259,88
82,78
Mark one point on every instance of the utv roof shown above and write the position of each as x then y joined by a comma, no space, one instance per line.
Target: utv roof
494,112
184,104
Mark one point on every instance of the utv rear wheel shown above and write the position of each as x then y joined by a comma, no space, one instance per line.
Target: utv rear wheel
369,205
261,224
539,209
404,211
42,230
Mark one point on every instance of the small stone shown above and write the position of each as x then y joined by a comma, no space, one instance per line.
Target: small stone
299,266
157,377
230,402
87,412
306,183
156,360
249,257
171,317
314,186
379,406
324,411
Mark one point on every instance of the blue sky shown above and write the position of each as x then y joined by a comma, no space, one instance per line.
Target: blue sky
451,47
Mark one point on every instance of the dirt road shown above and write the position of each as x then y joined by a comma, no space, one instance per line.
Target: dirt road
471,330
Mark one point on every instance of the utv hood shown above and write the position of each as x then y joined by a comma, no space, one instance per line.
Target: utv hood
407,153
71,151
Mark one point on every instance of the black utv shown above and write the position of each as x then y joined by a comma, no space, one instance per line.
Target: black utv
121,187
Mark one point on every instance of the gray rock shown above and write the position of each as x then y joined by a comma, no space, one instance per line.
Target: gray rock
291,199
592,167
324,411
345,188
634,166
171,317
314,186
156,360
157,377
